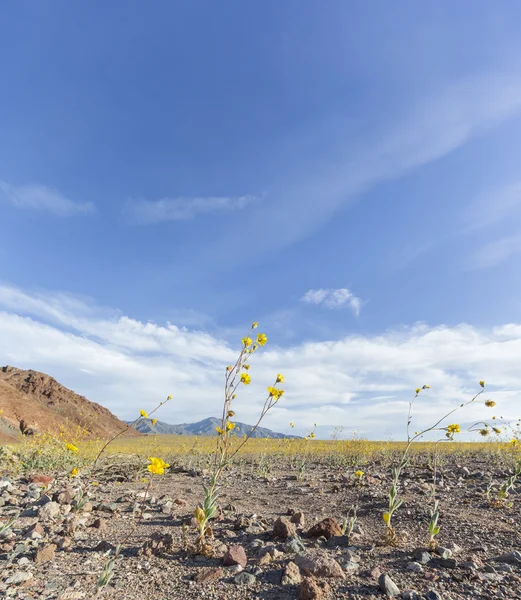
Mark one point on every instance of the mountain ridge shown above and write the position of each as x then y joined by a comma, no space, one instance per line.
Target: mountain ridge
205,427
33,400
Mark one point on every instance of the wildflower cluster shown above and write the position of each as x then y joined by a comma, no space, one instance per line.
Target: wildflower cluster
235,375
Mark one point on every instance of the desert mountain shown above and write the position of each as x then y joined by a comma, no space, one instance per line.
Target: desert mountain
204,427
44,404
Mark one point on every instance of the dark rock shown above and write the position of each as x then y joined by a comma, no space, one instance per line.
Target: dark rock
326,528
209,575
235,555
291,575
311,589
387,586
284,528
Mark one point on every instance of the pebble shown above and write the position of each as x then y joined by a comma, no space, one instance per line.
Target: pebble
19,577
245,579
387,586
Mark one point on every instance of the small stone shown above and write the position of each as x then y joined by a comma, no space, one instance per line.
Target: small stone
446,563
166,509
340,541
319,567
326,528
311,589
245,579
63,497
104,546
99,523
291,575
49,511
180,502
235,555
293,546
421,555
414,567
513,558
298,518
35,532
64,543
41,479
433,595
87,507
284,528
234,569
410,595
209,575
387,586
19,577
443,552
45,553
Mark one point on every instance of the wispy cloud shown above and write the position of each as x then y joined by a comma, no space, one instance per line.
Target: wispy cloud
148,212
126,364
333,298
39,197
496,252
495,206
425,133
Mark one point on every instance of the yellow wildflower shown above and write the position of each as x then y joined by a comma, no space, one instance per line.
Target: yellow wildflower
157,466
312,434
280,378
418,390
454,428
292,424
254,325
247,342
231,413
219,430
143,414
245,378
169,398
247,367
154,421
229,368
359,474
490,403
386,517
230,426
74,472
496,430
262,339
199,514
484,432
426,387
514,442
482,383
72,448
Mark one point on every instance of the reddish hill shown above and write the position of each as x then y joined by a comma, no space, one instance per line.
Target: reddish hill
45,405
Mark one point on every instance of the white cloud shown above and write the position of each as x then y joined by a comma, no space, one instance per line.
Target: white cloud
361,382
39,197
333,298
148,212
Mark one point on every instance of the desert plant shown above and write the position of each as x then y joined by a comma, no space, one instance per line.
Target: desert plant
394,500
224,454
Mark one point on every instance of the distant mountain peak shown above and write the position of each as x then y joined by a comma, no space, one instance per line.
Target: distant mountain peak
205,427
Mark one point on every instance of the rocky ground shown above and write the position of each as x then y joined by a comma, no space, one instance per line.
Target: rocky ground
275,538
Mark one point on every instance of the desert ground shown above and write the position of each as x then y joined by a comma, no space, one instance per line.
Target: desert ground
278,529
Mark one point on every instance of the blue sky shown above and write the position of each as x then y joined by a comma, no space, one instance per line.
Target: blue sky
340,172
